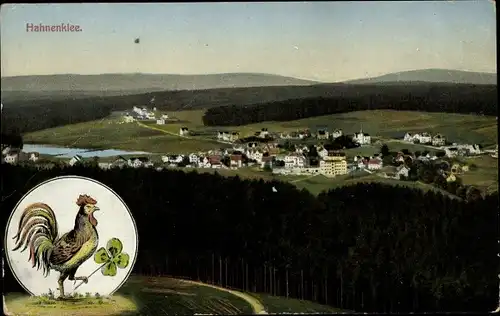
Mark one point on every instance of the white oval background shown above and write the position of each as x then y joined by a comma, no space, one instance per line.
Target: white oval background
114,220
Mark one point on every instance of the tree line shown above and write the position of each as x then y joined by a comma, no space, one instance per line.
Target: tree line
463,99
366,247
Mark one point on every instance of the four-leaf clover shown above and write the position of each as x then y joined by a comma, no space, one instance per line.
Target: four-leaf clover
112,257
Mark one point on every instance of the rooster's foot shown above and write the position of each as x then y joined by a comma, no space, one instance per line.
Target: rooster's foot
82,278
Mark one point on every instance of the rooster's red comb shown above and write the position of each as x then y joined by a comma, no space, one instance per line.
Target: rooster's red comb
85,199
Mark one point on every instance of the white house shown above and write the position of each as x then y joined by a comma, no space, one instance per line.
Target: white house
139,162
160,121
264,133
104,165
11,157
74,160
402,171
255,155
6,150
408,137
176,158
361,138
204,162
438,140
336,133
33,156
322,152
425,138
164,117
193,158
184,131
294,161
451,151
223,135
301,150
165,158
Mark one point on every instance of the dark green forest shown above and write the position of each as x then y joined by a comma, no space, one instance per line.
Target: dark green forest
463,99
367,247
262,103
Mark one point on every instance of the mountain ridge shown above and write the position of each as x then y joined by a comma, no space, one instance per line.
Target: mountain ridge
434,75
131,83
145,82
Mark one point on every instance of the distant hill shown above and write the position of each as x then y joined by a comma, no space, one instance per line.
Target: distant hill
431,75
119,84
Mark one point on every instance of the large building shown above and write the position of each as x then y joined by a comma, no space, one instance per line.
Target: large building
361,138
333,164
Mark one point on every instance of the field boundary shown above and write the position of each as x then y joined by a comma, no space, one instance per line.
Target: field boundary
256,305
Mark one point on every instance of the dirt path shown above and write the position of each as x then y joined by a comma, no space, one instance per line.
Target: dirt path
306,178
256,305
182,136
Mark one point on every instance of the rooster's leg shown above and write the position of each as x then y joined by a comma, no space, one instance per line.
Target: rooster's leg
61,283
83,278
72,277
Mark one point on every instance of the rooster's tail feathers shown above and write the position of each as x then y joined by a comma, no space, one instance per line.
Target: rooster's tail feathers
38,230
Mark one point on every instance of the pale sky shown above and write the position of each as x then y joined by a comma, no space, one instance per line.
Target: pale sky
325,41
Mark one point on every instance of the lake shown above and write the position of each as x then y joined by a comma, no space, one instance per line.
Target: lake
63,152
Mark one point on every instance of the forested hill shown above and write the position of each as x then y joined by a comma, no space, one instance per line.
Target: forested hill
137,83
349,247
31,115
464,99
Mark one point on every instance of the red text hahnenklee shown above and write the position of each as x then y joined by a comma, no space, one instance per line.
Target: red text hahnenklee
63,27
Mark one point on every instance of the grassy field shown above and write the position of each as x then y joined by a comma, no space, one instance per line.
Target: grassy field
109,134
385,123
485,176
22,304
158,296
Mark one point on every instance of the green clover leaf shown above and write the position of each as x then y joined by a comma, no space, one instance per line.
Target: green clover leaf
114,246
101,256
111,258
109,269
121,260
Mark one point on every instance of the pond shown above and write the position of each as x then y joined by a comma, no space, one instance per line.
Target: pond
64,152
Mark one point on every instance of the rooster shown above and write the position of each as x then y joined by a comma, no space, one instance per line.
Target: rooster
38,230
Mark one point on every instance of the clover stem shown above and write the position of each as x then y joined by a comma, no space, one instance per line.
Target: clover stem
90,275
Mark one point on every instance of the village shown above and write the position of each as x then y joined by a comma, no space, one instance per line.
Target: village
284,153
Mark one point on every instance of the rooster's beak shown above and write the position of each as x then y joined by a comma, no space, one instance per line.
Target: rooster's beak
96,209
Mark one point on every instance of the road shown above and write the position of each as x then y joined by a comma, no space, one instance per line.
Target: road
306,178
183,136
256,305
